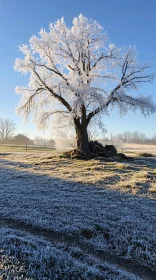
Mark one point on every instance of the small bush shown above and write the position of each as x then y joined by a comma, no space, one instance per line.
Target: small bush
146,155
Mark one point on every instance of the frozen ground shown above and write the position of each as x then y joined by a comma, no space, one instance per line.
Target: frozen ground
77,219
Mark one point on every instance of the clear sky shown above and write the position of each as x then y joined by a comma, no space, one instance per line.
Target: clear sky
128,22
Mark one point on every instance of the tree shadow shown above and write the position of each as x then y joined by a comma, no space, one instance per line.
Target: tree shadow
25,189
50,203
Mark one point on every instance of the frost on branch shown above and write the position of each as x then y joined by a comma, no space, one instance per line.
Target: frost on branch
143,103
77,71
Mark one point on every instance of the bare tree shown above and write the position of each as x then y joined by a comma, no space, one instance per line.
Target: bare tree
41,141
77,72
7,128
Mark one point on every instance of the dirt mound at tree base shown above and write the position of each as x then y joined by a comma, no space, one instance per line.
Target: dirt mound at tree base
96,150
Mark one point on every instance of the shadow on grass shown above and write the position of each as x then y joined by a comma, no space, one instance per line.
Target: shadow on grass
26,191
82,210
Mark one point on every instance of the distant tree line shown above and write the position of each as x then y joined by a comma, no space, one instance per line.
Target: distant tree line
136,137
7,131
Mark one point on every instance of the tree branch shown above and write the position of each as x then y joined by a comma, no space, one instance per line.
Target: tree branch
58,97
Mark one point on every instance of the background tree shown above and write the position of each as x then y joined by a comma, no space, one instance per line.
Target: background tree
77,72
7,128
21,139
125,136
51,143
40,141
154,139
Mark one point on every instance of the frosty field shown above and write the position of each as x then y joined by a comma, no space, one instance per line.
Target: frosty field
74,219
137,148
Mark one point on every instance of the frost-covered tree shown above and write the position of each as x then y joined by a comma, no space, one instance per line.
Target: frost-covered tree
77,72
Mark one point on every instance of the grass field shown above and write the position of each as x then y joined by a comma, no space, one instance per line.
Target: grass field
138,148
75,219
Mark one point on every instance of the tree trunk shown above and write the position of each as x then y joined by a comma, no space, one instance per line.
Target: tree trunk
82,139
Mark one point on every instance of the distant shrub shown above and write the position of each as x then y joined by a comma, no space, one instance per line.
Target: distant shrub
146,155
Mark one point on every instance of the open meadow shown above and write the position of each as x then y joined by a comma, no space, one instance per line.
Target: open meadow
64,218
138,148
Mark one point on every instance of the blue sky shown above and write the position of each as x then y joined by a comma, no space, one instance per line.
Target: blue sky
128,22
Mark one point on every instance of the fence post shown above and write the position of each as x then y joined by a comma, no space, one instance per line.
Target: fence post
122,150
26,148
